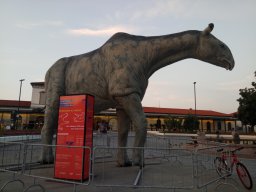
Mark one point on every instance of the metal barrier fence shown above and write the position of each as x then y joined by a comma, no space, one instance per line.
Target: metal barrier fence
172,162
153,141
204,166
20,138
22,159
164,168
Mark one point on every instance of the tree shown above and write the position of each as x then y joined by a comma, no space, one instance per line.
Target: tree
191,123
172,123
169,122
247,105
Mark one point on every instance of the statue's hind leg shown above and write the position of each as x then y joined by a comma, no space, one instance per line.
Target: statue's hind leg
134,110
123,130
50,125
54,88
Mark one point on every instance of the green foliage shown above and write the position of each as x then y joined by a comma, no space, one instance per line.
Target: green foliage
247,105
172,123
191,123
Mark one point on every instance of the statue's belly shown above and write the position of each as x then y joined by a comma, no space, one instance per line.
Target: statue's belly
85,82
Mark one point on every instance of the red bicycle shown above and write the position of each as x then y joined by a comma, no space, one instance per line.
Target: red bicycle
224,170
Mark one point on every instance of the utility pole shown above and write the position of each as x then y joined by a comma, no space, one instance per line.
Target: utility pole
18,113
195,104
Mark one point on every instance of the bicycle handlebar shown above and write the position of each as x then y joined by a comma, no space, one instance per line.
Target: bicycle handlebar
238,149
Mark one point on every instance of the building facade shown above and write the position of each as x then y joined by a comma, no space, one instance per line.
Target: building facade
208,121
38,95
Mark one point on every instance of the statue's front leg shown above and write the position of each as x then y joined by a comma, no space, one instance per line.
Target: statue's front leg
140,125
133,108
123,130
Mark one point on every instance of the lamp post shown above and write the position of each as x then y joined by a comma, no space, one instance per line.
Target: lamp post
18,112
195,104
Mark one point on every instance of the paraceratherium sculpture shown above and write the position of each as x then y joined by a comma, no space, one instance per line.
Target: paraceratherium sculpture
117,75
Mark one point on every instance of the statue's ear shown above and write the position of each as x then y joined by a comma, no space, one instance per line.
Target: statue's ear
208,29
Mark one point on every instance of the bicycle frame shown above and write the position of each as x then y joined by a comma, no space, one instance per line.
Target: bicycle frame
233,159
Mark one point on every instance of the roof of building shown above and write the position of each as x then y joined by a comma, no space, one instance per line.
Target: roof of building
14,103
37,84
174,111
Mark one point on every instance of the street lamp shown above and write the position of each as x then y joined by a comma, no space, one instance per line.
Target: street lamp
195,104
21,80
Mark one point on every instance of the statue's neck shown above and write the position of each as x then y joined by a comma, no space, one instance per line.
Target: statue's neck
165,50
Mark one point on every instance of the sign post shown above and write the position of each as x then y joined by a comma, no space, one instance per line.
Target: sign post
75,130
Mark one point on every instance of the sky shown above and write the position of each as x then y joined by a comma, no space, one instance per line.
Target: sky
35,34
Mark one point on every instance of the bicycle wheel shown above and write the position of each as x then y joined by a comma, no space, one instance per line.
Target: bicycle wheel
221,166
244,175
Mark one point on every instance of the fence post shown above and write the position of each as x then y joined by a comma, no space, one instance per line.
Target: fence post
24,155
195,168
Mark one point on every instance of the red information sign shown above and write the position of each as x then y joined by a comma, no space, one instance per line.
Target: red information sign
75,130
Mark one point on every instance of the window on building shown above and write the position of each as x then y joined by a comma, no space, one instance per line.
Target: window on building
219,125
42,98
229,126
208,125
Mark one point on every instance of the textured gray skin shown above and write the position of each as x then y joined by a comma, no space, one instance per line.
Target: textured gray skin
117,75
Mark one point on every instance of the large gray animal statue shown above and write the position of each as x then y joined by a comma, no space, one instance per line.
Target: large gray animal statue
117,75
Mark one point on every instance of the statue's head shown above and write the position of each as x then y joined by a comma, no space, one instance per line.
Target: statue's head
214,51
